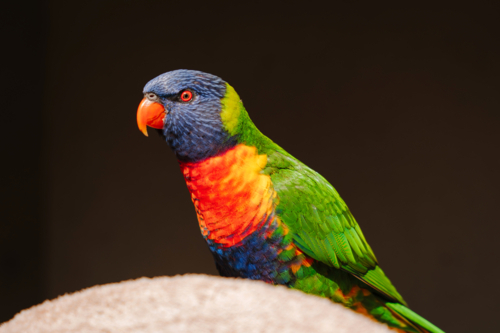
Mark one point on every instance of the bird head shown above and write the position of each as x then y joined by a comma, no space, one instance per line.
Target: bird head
197,113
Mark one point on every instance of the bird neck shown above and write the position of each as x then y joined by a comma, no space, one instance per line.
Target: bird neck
238,125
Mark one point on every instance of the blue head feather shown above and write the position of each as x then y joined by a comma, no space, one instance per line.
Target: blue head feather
193,130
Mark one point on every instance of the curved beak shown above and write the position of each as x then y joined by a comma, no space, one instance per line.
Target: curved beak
150,114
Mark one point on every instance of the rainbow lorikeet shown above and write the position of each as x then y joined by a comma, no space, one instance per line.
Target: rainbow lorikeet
264,214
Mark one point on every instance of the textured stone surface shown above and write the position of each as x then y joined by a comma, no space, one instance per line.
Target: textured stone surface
189,303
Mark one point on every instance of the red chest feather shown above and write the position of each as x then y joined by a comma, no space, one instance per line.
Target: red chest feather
231,195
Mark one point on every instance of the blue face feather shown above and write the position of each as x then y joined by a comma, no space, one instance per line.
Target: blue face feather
193,129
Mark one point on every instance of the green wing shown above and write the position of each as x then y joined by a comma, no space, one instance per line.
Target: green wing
321,224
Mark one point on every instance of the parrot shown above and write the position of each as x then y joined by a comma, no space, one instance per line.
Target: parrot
264,214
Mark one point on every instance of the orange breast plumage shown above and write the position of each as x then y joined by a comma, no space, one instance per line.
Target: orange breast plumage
231,196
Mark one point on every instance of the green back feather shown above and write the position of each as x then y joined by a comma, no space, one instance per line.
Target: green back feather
322,225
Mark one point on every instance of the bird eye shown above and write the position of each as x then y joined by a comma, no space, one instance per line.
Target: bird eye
186,96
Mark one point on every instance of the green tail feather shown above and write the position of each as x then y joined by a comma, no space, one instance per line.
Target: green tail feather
413,317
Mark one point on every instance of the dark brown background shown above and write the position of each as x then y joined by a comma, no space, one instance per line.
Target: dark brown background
397,106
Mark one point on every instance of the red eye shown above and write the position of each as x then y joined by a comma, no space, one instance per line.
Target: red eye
186,96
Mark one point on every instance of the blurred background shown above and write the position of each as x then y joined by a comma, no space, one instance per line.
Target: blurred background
396,105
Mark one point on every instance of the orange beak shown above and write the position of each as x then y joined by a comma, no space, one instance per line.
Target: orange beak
150,114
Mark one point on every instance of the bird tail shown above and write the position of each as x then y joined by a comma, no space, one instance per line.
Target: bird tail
420,323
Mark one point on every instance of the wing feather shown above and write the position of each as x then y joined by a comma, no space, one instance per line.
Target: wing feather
322,225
